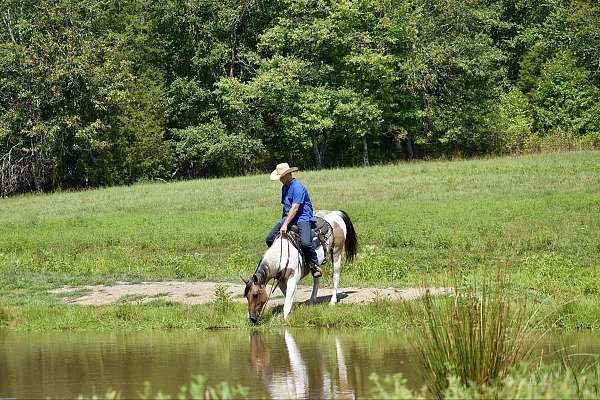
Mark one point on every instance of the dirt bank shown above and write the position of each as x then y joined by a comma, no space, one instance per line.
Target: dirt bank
204,292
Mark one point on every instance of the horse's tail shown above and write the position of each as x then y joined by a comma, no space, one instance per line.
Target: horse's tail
351,243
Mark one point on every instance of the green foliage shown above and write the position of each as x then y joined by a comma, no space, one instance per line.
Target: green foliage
223,300
514,121
542,382
565,97
208,149
98,93
196,389
390,387
82,102
4,317
477,335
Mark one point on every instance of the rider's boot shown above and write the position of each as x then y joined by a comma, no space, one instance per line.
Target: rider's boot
316,270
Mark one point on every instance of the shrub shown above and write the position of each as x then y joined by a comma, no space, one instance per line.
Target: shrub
513,121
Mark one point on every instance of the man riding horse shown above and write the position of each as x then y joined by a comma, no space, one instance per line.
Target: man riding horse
297,210
284,263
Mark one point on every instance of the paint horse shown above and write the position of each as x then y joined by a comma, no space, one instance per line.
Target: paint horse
285,263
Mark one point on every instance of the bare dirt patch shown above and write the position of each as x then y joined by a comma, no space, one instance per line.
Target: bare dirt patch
204,292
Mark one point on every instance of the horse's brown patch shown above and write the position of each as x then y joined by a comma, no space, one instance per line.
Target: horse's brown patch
338,238
287,274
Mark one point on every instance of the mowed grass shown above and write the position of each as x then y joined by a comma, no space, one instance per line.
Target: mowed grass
536,217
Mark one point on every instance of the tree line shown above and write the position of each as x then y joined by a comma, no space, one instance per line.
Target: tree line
105,92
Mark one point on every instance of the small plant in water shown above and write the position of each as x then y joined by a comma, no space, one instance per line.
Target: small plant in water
197,389
478,335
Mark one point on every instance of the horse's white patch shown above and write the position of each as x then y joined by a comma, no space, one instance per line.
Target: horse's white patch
336,217
280,254
320,254
272,256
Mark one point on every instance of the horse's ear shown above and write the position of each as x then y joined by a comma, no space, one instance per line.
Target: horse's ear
244,280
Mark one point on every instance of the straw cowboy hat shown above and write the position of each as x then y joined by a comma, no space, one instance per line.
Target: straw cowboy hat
281,170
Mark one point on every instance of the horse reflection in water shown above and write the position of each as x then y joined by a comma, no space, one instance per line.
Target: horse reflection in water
292,381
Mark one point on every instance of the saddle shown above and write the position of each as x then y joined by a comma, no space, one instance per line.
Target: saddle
320,234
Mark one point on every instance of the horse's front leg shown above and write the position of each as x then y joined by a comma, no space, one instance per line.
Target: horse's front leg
283,287
292,283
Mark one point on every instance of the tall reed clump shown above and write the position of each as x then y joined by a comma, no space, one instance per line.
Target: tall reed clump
478,335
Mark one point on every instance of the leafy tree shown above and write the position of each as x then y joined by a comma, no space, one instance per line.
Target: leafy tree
453,72
566,99
208,150
112,91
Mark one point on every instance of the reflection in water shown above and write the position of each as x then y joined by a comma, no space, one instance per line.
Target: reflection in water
293,381
306,363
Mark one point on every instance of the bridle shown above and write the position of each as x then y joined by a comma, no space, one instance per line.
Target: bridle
277,277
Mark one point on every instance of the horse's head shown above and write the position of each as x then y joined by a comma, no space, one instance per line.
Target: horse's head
257,296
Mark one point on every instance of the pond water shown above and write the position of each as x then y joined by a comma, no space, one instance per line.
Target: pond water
288,364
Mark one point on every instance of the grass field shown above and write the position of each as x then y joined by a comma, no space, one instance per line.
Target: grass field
536,217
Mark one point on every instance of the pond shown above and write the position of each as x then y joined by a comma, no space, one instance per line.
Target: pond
304,363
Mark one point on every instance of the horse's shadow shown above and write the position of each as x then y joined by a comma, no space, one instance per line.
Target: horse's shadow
278,309
326,299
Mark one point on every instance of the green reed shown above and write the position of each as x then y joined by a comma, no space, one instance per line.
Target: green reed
478,334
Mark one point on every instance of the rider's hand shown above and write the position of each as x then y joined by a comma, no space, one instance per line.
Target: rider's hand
283,230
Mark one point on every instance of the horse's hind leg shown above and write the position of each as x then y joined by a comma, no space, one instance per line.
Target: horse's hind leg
337,266
315,289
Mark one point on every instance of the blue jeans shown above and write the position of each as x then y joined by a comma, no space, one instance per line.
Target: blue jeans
307,245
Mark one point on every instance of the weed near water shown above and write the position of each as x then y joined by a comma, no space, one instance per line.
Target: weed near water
196,389
478,334
524,382
541,382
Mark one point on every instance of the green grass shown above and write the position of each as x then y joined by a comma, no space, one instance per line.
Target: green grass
165,315
536,217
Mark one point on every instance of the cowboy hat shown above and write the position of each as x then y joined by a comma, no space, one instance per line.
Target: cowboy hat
281,170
